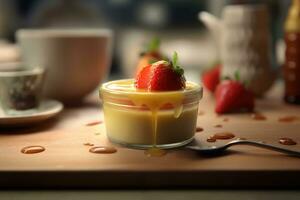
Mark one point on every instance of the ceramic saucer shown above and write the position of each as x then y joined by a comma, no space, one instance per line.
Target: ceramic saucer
46,110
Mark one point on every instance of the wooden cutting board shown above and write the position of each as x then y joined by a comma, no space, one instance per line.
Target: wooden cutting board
67,162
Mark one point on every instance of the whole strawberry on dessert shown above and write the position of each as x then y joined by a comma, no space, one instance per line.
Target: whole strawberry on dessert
161,76
211,78
150,55
233,96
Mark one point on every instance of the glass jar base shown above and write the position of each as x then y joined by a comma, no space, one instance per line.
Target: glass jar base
146,146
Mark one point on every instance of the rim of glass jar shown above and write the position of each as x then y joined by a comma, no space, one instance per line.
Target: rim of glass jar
194,92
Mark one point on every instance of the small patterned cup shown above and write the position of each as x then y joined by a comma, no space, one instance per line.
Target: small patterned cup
21,89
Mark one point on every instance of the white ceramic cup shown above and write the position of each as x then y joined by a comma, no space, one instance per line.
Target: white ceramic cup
244,42
77,60
246,45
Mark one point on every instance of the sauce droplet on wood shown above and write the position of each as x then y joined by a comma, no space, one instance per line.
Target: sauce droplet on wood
199,129
224,136
33,149
88,144
287,141
258,116
220,136
225,120
94,123
288,119
211,139
103,149
219,126
155,152
201,112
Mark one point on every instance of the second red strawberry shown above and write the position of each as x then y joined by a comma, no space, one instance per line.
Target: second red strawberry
233,96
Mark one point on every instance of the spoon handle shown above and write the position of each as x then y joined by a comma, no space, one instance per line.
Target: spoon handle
266,146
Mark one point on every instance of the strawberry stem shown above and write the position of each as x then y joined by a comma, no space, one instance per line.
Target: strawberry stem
174,65
237,75
246,83
236,78
175,59
153,45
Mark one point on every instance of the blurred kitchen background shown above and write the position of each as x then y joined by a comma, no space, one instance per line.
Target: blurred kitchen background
134,22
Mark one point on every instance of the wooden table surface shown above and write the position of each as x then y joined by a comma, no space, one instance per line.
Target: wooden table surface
68,163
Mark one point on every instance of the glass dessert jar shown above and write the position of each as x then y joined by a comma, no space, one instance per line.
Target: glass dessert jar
142,119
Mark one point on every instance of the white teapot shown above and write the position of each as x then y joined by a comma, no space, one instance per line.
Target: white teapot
244,43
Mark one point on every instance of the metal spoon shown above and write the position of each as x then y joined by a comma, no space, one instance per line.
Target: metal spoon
206,149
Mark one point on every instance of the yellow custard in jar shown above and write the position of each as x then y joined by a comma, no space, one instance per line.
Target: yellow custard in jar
142,119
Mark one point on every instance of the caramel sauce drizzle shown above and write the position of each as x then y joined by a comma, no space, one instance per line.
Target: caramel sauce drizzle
258,116
220,136
88,144
94,123
199,129
287,141
33,149
288,119
103,149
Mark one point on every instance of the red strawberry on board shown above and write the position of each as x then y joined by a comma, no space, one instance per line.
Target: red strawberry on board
211,78
161,76
233,96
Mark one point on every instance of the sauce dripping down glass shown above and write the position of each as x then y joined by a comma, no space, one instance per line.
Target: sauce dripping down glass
155,152
32,149
154,104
